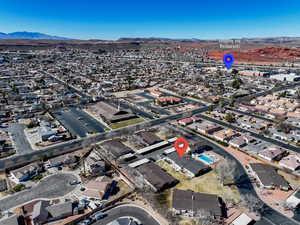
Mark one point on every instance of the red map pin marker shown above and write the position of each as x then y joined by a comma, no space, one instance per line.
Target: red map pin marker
181,145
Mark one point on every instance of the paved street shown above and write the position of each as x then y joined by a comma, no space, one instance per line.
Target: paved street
50,187
128,211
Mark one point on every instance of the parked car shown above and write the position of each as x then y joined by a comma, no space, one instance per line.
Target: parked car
74,182
98,202
99,216
82,189
86,222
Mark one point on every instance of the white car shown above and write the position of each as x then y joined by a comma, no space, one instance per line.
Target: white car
74,182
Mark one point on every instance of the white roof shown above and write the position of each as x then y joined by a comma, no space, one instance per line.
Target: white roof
169,150
243,219
139,162
127,156
148,148
293,200
172,139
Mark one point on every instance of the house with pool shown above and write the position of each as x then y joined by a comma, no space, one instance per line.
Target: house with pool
188,165
209,158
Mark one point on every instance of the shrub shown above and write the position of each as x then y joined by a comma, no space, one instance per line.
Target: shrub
19,187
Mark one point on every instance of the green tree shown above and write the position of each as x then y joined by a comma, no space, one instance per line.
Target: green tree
234,71
282,94
210,108
229,117
221,103
232,101
19,187
236,83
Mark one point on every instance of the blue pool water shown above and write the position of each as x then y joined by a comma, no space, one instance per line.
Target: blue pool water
206,159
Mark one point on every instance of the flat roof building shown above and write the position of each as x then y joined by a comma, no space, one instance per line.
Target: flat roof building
156,177
116,148
189,203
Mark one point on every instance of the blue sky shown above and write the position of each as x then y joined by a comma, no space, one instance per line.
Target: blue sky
112,19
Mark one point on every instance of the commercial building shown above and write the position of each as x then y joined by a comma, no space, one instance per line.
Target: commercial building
286,77
112,114
167,100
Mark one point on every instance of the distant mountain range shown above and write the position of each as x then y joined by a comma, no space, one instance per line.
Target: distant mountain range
30,35
291,41
263,39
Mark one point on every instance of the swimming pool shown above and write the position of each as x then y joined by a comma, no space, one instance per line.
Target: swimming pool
205,159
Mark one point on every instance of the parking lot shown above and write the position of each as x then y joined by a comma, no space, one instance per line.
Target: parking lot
19,139
78,122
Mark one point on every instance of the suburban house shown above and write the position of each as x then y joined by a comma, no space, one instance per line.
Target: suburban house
156,177
188,120
226,135
272,153
244,124
294,199
59,211
278,134
208,127
97,188
268,177
185,121
189,166
44,212
94,166
242,219
26,173
46,132
291,162
238,142
62,160
188,203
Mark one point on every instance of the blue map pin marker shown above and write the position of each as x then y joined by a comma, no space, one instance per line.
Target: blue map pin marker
228,60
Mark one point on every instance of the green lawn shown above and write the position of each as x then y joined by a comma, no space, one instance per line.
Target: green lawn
207,183
126,123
